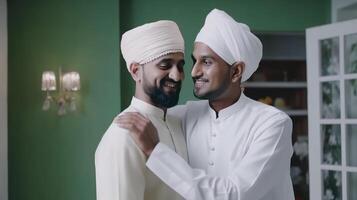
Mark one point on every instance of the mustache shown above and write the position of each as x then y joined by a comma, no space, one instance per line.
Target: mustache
200,79
164,80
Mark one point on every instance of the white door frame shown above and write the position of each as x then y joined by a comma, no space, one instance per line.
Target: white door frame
3,102
313,36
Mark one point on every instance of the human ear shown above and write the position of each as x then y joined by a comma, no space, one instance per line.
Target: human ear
135,71
237,71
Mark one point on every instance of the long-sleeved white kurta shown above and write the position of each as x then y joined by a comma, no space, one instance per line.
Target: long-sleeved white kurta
244,154
121,173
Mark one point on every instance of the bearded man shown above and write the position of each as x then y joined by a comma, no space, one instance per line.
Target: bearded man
154,55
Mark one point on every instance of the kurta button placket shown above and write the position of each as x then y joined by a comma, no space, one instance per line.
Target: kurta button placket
214,134
212,143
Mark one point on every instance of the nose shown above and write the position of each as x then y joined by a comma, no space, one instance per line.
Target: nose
196,70
176,75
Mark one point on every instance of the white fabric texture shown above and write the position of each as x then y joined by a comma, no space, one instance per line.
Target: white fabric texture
150,41
244,154
121,173
232,41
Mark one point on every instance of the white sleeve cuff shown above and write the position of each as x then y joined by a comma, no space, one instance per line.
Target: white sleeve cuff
171,168
155,154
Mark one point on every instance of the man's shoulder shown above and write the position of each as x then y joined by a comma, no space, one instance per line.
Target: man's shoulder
115,137
265,111
188,108
197,103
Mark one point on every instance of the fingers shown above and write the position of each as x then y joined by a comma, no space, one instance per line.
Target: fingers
138,116
141,129
134,122
128,124
132,117
128,120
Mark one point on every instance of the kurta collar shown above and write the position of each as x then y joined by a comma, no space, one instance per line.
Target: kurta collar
147,108
230,110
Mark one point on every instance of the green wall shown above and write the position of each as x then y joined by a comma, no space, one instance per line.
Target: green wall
51,157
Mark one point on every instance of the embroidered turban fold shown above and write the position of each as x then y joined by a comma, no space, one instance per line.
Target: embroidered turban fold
150,41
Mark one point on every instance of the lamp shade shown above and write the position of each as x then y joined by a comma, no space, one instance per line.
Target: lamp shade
71,81
48,81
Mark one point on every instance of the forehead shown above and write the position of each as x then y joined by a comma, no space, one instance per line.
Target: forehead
203,50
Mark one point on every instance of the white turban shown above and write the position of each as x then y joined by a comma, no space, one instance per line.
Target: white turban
232,41
150,41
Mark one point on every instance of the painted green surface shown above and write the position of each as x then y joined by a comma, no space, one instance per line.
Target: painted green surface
51,157
273,15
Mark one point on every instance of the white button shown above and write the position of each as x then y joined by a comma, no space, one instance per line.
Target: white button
211,163
214,134
212,148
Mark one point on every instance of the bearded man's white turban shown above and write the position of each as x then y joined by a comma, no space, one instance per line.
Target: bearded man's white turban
232,41
150,41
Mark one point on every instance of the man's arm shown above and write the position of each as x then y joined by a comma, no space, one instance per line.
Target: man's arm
120,167
251,178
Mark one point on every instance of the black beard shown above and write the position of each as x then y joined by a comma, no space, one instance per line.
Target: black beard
158,96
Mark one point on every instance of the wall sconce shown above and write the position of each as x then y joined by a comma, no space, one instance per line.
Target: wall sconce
68,84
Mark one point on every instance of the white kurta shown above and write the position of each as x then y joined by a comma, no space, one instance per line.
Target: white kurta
244,154
121,173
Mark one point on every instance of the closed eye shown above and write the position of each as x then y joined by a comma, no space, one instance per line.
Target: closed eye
164,66
180,65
